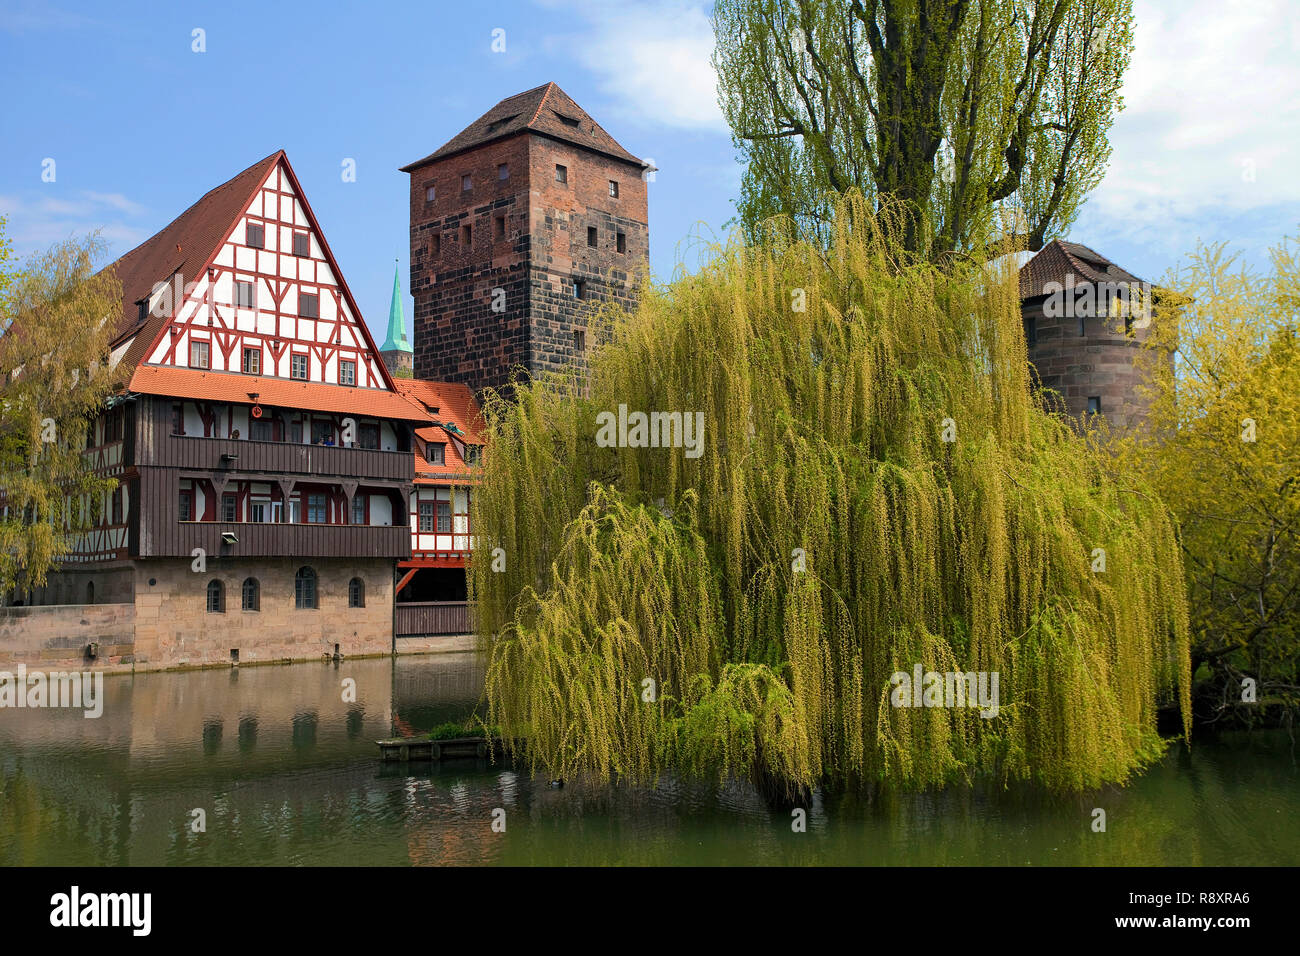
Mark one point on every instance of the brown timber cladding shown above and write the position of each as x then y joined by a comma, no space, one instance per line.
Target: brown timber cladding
427,618
163,535
157,446
163,459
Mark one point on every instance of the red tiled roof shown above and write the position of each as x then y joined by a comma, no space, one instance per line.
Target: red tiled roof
541,110
455,406
1058,259
184,245
234,387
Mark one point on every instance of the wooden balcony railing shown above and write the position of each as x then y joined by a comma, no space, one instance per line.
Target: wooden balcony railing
214,454
271,540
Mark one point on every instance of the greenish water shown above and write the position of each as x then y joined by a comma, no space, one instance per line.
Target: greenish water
287,772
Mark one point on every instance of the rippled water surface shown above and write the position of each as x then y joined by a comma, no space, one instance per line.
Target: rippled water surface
287,772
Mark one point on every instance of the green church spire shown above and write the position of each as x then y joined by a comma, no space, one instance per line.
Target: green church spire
397,340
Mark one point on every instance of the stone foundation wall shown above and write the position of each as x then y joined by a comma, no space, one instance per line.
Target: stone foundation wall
55,636
175,628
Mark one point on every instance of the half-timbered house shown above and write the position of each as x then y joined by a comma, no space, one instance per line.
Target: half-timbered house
264,454
447,450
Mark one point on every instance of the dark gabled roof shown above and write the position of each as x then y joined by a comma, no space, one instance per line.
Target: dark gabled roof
182,246
1058,259
547,110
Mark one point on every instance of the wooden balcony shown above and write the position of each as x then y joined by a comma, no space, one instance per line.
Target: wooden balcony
325,461
268,540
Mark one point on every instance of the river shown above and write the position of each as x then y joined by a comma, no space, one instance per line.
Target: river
282,763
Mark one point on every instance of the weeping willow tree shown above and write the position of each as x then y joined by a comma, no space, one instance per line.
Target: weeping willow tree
873,490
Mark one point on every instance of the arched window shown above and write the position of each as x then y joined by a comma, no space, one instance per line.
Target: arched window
356,593
252,595
90,592
304,588
216,597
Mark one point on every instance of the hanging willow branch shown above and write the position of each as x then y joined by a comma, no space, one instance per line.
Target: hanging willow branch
742,612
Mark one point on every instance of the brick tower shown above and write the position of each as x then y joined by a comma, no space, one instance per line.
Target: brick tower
521,225
1086,320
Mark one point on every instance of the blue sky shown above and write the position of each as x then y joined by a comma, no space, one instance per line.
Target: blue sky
139,125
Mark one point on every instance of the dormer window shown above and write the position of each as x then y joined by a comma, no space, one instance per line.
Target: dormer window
437,453
570,121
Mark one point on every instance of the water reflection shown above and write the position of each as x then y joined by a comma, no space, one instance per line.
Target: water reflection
283,763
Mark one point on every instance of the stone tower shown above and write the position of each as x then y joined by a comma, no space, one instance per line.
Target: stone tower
521,225
1086,320
396,350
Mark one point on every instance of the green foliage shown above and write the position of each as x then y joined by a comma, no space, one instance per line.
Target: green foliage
988,118
823,432
468,728
56,319
1225,453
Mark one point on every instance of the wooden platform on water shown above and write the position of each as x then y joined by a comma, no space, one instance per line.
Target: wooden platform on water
422,748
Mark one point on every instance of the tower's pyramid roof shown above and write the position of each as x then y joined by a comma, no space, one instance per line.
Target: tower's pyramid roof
547,110
1059,258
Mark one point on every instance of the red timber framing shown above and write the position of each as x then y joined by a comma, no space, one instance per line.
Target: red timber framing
290,328
199,477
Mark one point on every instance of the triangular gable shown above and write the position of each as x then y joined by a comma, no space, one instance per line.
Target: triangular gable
183,246
280,328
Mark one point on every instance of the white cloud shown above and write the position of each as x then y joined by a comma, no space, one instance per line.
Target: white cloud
31,17
116,201
37,221
652,59
1211,124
